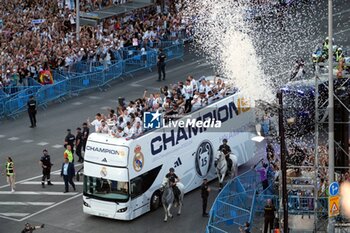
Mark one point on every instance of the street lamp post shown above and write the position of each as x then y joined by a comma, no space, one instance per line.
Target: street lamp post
330,104
77,21
283,161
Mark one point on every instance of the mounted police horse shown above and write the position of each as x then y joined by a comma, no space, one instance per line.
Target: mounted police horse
222,167
168,198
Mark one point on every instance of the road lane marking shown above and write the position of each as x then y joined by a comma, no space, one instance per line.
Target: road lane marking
37,193
50,207
26,203
42,143
2,136
94,97
13,139
15,214
57,146
9,218
36,177
53,182
28,141
77,103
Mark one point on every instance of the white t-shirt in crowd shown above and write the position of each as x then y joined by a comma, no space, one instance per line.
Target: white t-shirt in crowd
204,88
121,124
194,84
128,132
130,109
103,129
188,91
210,99
196,104
119,134
97,124
138,119
138,131
126,118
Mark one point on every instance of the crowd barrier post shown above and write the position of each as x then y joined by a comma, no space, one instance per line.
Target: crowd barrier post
3,98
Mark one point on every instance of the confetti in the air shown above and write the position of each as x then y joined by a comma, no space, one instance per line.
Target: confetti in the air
254,45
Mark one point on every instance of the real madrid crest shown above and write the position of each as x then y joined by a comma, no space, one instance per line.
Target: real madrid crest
138,162
103,172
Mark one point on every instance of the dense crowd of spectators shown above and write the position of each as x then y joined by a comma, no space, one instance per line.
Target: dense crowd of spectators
92,5
39,35
126,121
301,162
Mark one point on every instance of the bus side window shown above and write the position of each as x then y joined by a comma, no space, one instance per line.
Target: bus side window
143,182
136,187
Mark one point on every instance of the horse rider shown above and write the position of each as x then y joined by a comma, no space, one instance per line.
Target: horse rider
226,149
173,179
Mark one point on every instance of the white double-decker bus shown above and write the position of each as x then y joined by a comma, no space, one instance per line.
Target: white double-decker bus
122,177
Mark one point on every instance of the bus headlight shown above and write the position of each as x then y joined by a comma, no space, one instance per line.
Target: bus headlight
86,204
122,210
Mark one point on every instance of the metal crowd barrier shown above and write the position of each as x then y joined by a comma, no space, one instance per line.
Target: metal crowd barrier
234,205
53,92
82,76
94,80
174,52
3,98
18,103
13,90
140,62
243,199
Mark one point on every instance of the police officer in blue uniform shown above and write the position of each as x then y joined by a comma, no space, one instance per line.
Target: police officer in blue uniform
31,104
69,140
46,165
161,64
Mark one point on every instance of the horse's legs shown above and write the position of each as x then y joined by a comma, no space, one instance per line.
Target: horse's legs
222,179
180,205
168,210
166,213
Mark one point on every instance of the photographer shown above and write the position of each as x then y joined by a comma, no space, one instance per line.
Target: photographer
245,229
29,228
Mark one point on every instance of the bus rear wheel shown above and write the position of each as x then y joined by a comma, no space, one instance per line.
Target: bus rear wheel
155,200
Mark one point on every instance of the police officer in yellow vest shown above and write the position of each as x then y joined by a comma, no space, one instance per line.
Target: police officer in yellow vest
325,46
338,54
69,154
10,173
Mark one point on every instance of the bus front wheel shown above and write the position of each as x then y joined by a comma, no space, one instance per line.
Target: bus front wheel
155,200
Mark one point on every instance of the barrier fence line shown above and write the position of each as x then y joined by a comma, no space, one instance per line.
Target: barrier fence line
85,75
242,199
234,204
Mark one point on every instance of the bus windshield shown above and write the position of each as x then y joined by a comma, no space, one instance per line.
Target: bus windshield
104,189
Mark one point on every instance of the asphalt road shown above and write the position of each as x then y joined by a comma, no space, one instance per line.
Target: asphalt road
63,213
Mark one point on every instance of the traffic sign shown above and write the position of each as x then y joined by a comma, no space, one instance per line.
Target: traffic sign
333,206
334,189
